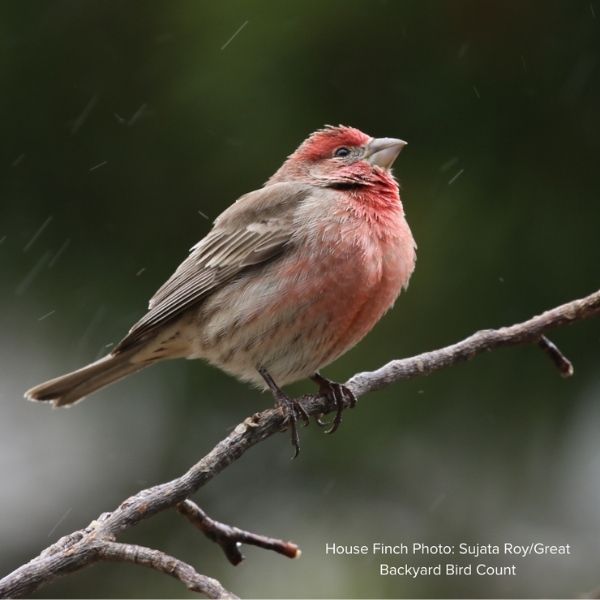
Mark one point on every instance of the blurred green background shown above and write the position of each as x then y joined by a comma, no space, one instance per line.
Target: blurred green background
126,124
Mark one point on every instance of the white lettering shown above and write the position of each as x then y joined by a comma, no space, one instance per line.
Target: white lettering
421,548
379,548
478,549
331,548
490,570
409,571
452,569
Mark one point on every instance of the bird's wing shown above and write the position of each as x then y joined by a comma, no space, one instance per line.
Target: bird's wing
254,230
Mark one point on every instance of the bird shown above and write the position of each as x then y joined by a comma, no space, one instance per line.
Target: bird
290,277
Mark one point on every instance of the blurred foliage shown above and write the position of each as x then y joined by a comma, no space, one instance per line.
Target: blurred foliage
126,124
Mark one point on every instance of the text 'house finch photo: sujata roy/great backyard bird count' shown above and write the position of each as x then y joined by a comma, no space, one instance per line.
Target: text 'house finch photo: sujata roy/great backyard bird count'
290,277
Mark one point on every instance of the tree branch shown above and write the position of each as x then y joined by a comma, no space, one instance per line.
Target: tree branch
96,542
530,331
159,561
231,538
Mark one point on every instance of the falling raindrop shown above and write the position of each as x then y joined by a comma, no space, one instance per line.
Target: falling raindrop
37,234
18,160
100,164
137,115
48,314
94,322
449,164
65,515
59,253
32,274
236,33
456,176
85,113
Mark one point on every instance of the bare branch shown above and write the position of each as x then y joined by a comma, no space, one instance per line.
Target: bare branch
45,568
83,548
159,561
96,542
230,538
563,364
529,331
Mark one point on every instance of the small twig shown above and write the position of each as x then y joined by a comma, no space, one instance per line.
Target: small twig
159,561
231,538
81,548
563,364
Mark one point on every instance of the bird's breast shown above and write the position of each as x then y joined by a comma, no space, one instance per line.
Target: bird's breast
337,279
362,271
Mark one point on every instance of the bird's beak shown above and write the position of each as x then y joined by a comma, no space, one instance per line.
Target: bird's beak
382,152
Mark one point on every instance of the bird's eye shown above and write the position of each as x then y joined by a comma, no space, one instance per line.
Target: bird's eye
341,152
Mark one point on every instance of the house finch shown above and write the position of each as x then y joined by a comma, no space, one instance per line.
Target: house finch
290,277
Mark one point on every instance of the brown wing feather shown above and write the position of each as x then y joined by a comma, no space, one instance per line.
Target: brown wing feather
253,231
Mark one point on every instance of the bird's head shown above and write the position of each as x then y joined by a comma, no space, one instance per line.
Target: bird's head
341,157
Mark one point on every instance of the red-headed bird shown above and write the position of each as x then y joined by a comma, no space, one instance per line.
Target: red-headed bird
290,277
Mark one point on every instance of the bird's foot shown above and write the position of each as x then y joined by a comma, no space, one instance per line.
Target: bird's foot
337,392
292,410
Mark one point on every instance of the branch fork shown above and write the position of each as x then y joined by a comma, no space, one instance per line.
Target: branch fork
97,542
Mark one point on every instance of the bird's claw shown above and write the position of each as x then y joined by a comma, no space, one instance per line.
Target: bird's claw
340,394
292,409
293,412
320,422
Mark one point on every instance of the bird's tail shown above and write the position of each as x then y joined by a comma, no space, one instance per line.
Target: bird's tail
77,385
